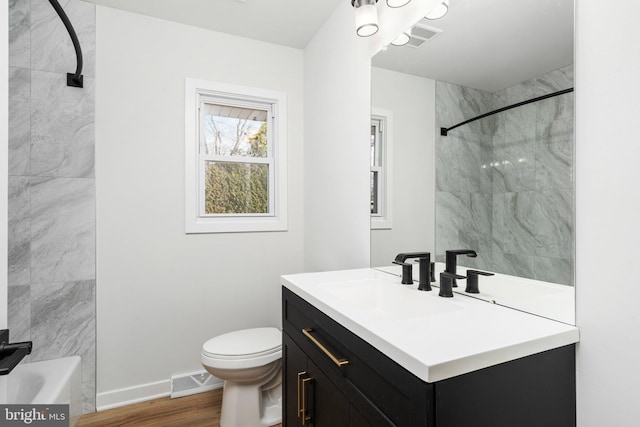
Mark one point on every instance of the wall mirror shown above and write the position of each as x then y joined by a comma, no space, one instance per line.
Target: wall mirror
502,185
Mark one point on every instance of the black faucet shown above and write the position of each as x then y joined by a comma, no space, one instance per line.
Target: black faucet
424,260
451,259
407,272
11,354
472,280
446,284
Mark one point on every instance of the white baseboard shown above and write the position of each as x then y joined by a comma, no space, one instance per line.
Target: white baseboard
144,392
131,395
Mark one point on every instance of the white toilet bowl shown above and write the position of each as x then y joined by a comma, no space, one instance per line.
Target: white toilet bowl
249,361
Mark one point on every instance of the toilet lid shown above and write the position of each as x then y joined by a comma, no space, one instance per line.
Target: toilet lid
246,342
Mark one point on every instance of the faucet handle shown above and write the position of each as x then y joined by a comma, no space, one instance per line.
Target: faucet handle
407,272
472,280
446,283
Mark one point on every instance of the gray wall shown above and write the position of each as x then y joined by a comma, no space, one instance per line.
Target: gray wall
51,186
505,183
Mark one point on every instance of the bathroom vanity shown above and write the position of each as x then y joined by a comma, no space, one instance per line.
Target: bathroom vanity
360,349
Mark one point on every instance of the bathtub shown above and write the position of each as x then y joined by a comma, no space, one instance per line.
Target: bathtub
50,381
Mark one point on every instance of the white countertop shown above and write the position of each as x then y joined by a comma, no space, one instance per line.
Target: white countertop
434,338
544,299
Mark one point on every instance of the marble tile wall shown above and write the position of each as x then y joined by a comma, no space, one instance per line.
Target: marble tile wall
463,173
523,224
533,180
51,185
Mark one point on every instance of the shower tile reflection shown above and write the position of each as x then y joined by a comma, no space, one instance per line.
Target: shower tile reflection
505,185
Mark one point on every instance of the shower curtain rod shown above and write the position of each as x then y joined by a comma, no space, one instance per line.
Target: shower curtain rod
73,79
445,131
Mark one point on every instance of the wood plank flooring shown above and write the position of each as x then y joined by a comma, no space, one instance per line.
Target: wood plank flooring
198,410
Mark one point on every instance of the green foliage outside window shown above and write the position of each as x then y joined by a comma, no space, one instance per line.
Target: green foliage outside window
236,188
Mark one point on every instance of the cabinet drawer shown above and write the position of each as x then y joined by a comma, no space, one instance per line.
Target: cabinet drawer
382,391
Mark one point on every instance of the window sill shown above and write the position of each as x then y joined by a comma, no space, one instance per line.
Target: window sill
235,225
380,223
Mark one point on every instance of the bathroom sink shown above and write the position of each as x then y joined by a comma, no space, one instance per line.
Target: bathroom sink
390,300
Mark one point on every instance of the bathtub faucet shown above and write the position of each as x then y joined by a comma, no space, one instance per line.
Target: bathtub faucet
11,353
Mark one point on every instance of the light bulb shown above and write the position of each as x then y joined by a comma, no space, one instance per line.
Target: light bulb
402,39
397,3
366,20
439,11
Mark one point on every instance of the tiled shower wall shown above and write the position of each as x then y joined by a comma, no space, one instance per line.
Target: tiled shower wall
518,214
463,180
52,186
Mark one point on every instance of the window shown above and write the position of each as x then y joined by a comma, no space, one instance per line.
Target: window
235,158
381,169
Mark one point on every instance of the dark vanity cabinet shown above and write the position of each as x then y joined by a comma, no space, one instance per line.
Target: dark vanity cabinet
333,378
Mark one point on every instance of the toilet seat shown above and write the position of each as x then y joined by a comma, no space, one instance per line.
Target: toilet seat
243,349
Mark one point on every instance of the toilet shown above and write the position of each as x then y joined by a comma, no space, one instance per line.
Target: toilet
250,363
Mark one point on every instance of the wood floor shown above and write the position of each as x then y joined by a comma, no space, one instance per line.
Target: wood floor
198,410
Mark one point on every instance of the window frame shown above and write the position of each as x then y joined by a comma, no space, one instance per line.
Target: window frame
378,124
384,218
197,92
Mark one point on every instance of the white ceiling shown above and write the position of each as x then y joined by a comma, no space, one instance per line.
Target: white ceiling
490,44
285,22
485,44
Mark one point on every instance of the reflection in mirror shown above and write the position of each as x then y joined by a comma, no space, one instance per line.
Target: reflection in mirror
504,183
501,185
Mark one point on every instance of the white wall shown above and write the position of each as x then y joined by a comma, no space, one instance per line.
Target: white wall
337,79
337,102
4,159
608,213
412,101
162,293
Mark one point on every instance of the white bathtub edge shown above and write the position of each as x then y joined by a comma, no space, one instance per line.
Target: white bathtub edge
65,372
61,384
130,395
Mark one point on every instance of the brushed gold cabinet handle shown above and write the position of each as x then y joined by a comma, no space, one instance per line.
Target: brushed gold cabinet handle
339,362
305,419
300,374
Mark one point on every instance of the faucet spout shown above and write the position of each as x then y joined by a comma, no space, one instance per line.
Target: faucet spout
451,260
11,353
424,258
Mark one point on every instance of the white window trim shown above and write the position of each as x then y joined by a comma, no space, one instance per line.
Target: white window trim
385,220
194,222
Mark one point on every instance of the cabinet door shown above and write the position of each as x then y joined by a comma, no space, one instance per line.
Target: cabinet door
294,367
356,419
311,399
324,404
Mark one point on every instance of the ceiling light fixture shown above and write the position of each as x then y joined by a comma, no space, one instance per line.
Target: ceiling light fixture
366,17
402,39
439,11
397,3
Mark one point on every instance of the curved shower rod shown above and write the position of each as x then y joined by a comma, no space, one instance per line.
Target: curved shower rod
445,131
73,79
